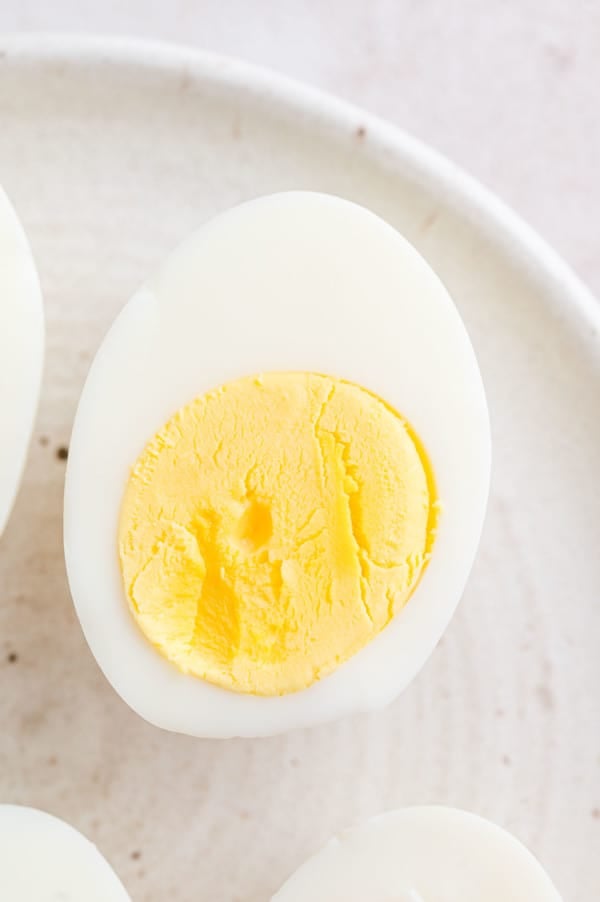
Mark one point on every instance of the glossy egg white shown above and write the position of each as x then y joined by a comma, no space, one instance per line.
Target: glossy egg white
423,854
21,351
43,859
295,281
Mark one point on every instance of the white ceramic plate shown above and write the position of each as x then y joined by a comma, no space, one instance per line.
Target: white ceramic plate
112,153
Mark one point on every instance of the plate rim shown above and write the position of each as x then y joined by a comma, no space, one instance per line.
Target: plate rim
538,261
511,236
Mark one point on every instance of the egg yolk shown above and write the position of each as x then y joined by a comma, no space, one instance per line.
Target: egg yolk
273,527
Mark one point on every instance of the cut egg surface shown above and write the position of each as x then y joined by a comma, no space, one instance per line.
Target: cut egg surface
21,351
273,528
278,473
43,859
423,854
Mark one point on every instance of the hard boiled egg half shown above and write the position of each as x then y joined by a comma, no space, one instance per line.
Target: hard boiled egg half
43,859
21,351
278,473
424,854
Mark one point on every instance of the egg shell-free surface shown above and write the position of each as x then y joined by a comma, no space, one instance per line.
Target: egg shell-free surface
43,859
503,719
297,281
425,854
21,352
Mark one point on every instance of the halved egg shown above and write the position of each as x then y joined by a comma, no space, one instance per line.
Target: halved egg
278,473
21,351
43,859
423,854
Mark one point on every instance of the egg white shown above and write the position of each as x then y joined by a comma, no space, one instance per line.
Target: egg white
423,854
43,858
295,281
21,352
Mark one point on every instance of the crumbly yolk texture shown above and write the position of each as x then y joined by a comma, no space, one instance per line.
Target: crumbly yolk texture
273,527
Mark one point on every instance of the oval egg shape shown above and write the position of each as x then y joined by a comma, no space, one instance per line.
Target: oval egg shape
422,854
297,283
43,859
21,351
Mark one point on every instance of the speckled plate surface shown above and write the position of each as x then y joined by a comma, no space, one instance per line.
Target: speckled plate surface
112,153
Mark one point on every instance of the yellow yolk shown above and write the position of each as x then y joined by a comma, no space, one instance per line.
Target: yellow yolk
273,527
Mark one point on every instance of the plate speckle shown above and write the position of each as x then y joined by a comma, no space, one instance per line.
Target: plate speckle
111,157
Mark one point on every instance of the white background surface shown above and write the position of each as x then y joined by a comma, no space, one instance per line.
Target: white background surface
507,726
510,90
